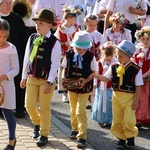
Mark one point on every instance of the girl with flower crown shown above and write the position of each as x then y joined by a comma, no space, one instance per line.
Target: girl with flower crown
142,58
91,22
65,33
102,107
117,33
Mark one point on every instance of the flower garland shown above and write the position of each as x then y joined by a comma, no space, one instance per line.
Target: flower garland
71,10
108,45
118,17
144,32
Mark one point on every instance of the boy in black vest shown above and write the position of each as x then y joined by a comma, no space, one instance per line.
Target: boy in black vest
81,64
39,73
126,80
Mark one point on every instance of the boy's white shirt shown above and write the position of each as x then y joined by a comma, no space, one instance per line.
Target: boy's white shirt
138,78
55,55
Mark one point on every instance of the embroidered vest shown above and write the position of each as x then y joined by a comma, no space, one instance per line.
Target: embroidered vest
40,66
128,85
74,72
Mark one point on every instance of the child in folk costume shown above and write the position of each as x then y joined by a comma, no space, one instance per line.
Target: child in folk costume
91,22
9,68
142,58
42,59
126,78
65,33
145,20
102,107
117,33
81,64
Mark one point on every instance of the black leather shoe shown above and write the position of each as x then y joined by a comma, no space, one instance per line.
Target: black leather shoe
42,141
10,147
36,132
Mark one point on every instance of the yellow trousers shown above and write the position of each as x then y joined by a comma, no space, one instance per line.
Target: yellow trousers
34,95
78,113
124,119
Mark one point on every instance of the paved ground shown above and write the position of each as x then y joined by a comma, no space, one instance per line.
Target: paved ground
97,138
58,139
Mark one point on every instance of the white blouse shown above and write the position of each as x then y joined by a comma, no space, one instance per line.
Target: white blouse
9,65
117,37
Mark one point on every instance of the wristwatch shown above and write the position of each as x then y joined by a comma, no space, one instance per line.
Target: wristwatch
50,83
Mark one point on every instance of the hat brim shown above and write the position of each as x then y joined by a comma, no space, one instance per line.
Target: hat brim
73,44
123,51
52,22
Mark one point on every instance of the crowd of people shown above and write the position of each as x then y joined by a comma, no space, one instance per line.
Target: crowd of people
95,52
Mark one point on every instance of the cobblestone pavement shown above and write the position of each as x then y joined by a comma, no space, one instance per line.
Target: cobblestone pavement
99,138
58,139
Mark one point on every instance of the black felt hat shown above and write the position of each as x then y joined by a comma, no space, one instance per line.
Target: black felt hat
45,15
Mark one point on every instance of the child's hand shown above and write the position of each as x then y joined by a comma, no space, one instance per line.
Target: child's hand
95,86
23,83
135,105
133,10
82,80
47,88
63,80
140,55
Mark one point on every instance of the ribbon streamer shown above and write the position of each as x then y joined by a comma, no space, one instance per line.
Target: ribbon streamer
77,58
38,41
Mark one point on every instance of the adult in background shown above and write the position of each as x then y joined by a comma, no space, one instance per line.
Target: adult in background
18,37
53,5
130,9
29,23
100,10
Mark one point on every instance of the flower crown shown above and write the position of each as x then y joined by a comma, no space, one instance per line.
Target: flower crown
118,17
72,10
144,32
108,45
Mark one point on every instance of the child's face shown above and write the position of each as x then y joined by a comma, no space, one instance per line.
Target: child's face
117,25
79,51
6,6
91,25
108,58
43,27
3,37
122,57
145,40
72,20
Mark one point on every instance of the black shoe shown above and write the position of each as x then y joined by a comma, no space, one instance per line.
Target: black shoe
19,114
36,132
73,135
42,141
88,106
121,144
81,143
130,143
139,125
10,147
